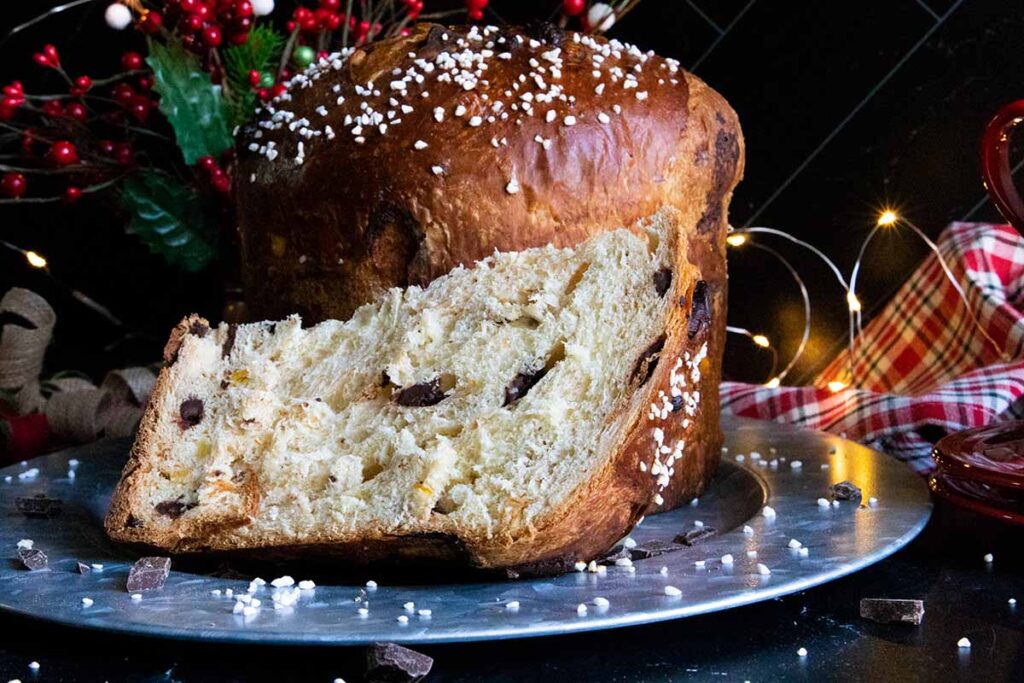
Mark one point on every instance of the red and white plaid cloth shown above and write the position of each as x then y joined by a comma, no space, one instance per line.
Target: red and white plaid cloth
923,368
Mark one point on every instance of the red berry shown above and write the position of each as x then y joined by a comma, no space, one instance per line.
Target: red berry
145,83
191,24
277,90
76,111
573,7
207,163
8,107
62,153
122,94
219,180
15,91
212,36
243,9
139,107
81,86
72,194
107,147
330,5
188,5
203,12
238,38
254,78
49,57
13,184
131,61
475,15
53,108
151,23
476,5
124,154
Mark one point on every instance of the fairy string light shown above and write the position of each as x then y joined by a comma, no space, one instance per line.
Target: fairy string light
888,219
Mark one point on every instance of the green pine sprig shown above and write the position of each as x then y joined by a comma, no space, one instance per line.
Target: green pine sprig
260,53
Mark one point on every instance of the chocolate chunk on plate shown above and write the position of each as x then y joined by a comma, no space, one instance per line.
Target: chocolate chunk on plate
83,568
652,549
892,611
149,573
845,490
391,663
33,558
39,506
695,536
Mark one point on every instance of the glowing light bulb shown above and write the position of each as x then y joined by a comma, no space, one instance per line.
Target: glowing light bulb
35,260
887,218
836,385
736,239
761,341
772,383
853,302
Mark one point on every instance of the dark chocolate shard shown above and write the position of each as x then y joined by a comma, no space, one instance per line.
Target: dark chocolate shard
700,310
391,663
173,508
619,552
677,403
651,549
148,573
191,412
83,568
229,340
648,360
421,395
522,383
39,505
662,281
198,328
34,559
545,32
695,536
892,611
845,490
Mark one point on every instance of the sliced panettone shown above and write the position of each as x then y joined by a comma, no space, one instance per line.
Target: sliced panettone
519,414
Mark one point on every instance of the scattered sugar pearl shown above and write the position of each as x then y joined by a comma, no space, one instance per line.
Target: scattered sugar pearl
768,512
872,502
34,666
699,564
672,591
804,552
419,144
306,585
802,652
580,566
741,458
581,610
699,524
963,644
601,602
363,611
372,585
623,562
136,597
795,544
752,554
403,619
409,606
628,543
283,582
97,566
424,612
835,503
512,605
763,569
229,592
695,502
796,464
25,544
663,571
592,567
215,592
988,558
727,558
1012,601
748,530
87,602
823,503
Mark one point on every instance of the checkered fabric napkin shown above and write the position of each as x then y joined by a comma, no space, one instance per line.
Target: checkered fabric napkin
923,368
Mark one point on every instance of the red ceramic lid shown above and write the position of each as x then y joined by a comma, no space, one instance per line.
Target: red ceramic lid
1002,504
993,454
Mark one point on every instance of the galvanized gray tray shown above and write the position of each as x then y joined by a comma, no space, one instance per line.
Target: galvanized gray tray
794,470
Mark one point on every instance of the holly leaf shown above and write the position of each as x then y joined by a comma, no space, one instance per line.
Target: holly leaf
260,52
171,219
191,102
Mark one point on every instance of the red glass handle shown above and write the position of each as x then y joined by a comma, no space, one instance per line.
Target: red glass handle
995,163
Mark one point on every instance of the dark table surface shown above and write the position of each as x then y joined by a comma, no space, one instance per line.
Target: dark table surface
944,566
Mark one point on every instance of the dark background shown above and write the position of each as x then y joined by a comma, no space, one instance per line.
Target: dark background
846,107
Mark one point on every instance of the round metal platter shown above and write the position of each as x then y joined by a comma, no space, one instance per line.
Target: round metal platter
838,540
